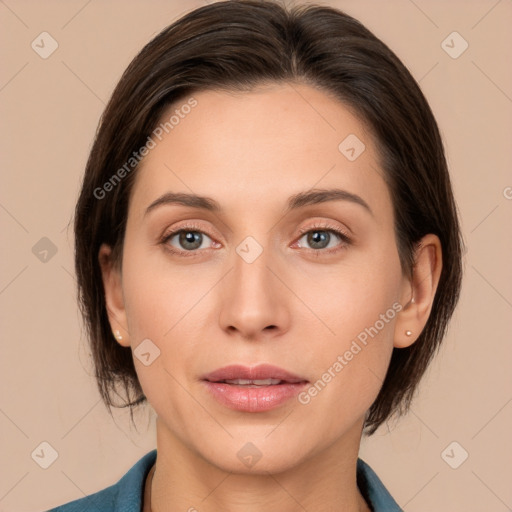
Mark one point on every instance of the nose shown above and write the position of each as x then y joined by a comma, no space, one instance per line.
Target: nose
254,298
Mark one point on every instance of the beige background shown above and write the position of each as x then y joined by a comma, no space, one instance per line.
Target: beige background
49,111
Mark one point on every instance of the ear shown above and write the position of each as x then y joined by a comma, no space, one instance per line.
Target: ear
114,299
419,291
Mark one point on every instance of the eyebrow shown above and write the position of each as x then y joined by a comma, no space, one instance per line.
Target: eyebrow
300,200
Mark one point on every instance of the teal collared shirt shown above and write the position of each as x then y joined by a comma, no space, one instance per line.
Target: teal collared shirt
126,495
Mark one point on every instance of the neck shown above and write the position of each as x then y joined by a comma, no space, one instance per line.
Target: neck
183,480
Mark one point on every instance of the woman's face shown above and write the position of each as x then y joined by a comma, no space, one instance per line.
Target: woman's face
262,280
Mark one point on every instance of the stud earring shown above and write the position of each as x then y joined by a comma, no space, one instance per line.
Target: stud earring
408,333
118,335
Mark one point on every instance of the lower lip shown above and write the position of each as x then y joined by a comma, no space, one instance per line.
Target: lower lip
254,399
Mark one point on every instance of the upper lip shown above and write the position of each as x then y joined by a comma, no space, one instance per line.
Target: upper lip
259,372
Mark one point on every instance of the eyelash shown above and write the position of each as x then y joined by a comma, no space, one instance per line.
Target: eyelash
317,227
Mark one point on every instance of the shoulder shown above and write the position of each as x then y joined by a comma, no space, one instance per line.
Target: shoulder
125,495
374,490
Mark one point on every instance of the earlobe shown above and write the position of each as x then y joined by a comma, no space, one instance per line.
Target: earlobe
419,292
114,299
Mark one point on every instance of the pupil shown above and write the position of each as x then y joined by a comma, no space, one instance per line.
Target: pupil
316,237
190,237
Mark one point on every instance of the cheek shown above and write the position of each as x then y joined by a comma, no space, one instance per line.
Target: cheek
354,296
166,304
158,296
358,307
162,305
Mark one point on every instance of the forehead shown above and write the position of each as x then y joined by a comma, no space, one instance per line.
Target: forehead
245,148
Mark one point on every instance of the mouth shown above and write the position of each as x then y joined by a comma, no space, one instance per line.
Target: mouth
256,383
253,389
261,375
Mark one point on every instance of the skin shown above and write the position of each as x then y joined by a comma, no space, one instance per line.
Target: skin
295,306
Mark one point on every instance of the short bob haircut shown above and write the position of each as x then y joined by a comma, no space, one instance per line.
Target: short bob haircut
236,46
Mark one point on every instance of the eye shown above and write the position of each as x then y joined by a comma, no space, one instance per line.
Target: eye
188,239
319,238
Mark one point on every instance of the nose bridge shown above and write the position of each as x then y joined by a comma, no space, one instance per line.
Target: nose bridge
251,275
253,297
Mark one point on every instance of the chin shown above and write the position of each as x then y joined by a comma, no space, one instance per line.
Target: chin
257,464
257,453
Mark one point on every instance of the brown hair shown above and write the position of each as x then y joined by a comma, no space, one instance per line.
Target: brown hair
237,45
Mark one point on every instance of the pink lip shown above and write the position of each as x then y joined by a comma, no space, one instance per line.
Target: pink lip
262,371
253,399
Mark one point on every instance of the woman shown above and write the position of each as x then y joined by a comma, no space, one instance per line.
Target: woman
268,252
